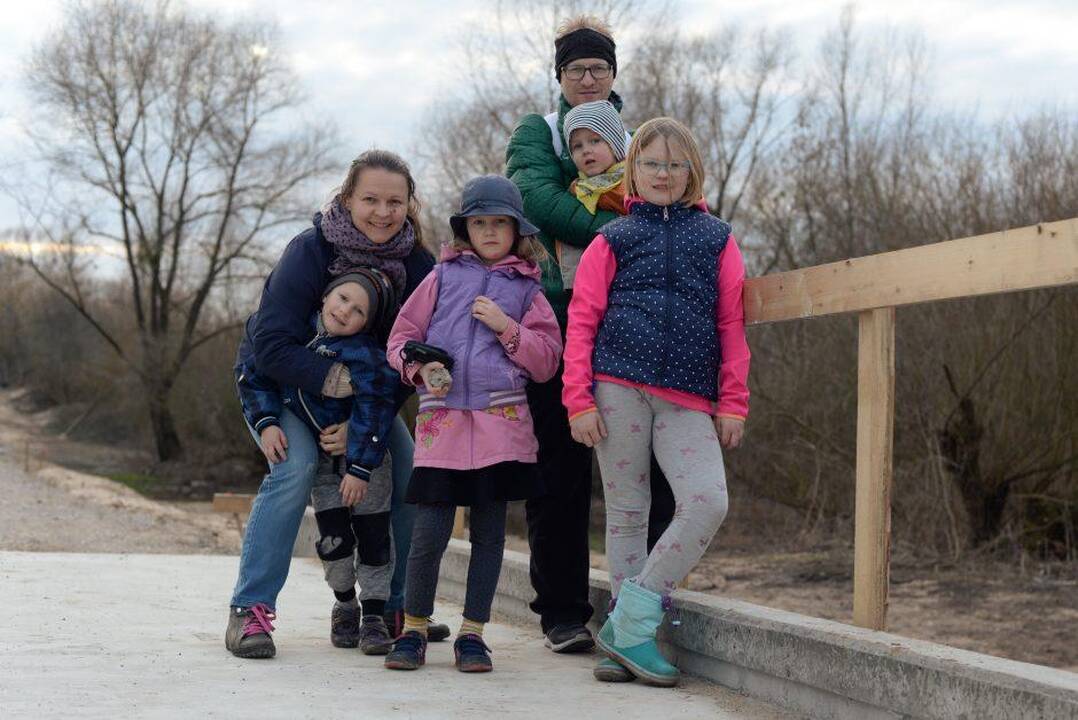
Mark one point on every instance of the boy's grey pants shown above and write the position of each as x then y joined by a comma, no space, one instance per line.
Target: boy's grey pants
355,542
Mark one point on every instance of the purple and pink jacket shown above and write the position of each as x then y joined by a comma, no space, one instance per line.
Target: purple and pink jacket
485,418
591,295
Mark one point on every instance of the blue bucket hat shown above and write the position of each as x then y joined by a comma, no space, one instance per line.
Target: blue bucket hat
491,195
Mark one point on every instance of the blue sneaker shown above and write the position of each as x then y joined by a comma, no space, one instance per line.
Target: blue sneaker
408,653
473,655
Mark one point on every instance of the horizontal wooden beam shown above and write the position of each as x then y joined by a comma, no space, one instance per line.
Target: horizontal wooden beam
238,503
1038,256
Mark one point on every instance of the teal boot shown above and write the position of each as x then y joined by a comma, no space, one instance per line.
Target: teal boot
628,635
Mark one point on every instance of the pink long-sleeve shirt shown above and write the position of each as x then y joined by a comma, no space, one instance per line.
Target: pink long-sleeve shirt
586,309
470,439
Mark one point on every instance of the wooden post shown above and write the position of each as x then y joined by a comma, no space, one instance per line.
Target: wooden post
459,525
235,503
875,432
238,504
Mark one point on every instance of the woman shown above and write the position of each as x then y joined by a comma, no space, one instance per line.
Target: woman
373,219
585,64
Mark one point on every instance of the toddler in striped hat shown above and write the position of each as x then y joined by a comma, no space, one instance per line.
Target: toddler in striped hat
597,142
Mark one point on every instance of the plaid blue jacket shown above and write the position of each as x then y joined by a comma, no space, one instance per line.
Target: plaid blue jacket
369,411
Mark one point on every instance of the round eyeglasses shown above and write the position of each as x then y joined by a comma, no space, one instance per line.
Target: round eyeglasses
654,167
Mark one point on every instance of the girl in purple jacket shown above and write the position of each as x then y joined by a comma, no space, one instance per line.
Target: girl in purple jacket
484,306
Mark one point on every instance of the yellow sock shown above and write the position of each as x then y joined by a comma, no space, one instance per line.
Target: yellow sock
471,627
418,624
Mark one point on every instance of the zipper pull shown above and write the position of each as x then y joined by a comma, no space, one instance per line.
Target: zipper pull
666,213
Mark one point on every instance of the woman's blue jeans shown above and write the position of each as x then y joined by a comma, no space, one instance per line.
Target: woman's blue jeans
279,506
402,515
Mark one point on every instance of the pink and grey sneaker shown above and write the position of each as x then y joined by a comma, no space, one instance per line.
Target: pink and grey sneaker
248,634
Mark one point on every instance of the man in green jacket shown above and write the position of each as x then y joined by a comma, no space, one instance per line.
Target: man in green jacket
539,163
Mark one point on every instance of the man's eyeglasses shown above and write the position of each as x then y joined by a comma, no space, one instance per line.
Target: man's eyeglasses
653,167
576,72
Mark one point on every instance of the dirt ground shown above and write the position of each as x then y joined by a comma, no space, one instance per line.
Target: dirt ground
49,507
1027,613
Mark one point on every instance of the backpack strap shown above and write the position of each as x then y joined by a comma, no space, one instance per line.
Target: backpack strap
555,136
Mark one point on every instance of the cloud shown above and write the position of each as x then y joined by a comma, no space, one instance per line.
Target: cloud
375,68
22,248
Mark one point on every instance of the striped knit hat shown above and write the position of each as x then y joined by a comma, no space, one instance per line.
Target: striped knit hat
601,117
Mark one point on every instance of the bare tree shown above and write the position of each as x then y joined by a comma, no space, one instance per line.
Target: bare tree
983,425
159,139
728,87
510,73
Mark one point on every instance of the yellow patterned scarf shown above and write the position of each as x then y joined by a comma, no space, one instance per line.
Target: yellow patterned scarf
588,189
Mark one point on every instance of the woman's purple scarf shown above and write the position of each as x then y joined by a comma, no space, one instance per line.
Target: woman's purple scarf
355,250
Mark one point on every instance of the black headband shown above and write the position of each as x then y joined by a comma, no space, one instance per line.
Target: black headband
583,43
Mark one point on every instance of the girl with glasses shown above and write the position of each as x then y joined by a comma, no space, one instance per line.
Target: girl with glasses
656,360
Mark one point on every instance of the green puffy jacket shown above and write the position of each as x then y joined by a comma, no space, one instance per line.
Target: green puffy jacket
543,179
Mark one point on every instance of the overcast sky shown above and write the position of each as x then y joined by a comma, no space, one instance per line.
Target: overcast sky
374,66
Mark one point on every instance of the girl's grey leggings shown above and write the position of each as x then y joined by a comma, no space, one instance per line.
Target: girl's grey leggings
687,449
433,527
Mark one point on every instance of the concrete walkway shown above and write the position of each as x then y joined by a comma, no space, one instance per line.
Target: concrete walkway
141,636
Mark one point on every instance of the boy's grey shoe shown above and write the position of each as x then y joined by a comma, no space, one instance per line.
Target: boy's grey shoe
248,633
569,638
374,636
436,631
344,625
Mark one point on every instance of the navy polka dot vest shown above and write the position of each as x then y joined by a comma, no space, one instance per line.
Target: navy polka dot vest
659,326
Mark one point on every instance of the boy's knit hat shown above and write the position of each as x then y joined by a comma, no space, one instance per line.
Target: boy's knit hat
379,294
602,118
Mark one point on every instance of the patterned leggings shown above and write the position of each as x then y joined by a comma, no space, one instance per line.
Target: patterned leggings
687,449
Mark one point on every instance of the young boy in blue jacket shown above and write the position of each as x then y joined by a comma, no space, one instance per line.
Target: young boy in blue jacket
351,499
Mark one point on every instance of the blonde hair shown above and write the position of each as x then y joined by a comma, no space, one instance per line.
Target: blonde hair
669,130
525,247
579,22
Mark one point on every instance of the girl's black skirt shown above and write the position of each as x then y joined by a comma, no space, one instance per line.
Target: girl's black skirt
510,480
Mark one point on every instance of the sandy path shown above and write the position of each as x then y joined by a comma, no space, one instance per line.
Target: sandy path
45,507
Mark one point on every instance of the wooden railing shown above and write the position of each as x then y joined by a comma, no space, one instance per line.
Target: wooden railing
1028,258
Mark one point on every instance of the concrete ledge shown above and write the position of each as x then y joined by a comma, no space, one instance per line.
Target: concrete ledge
818,667
307,536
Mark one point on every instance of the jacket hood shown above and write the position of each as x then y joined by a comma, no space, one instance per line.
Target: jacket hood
509,262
